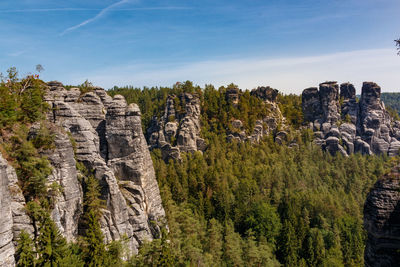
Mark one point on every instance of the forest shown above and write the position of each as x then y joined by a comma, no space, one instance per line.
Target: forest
392,101
236,204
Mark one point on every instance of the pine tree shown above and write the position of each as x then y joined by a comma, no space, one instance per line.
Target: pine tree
25,254
215,240
51,245
233,247
288,244
94,248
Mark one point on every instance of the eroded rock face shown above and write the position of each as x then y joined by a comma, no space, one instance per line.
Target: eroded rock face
311,104
177,132
7,248
109,141
265,93
363,126
13,217
265,126
68,204
232,95
382,222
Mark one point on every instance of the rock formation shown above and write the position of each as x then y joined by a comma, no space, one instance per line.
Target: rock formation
341,124
382,222
109,141
265,126
106,136
13,217
178,129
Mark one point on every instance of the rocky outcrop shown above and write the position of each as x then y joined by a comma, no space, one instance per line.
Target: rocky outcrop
109,141
341,124
265,126
178,129
265,93
68,203
13,217
382,222
232,95
7,249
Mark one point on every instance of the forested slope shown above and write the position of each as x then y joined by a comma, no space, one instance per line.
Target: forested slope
392,100
274,200
259,205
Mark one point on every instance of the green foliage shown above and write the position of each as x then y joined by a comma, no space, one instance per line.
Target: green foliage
25,254
93,247
236,204
294,203
152,101
392,103
32,169
290,106
44,137
159,252
21,100
50,245
217,113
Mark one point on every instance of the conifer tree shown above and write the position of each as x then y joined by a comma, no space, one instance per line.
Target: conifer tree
233,246
215,240
94,248
25,254
51,245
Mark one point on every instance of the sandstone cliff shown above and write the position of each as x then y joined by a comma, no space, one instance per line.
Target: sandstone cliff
109,141
178,129
105,135
343,124
13,217
382,222
265,126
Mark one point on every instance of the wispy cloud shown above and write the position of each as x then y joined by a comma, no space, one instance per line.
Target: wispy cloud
16,53
290,75
34,10
98,16
69,9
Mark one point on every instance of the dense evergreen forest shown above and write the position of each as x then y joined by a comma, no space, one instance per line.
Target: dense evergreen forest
257,205
236,204
392,101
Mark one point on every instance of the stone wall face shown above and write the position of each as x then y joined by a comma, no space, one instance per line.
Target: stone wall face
382,222
109,141
177,132
343,125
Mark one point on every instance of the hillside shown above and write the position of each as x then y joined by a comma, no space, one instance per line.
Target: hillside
235,178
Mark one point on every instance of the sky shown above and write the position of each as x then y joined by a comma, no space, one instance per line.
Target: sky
286,44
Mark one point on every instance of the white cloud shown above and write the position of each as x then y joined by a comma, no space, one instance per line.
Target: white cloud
289,75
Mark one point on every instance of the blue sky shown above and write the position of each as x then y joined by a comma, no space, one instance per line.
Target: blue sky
287,44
